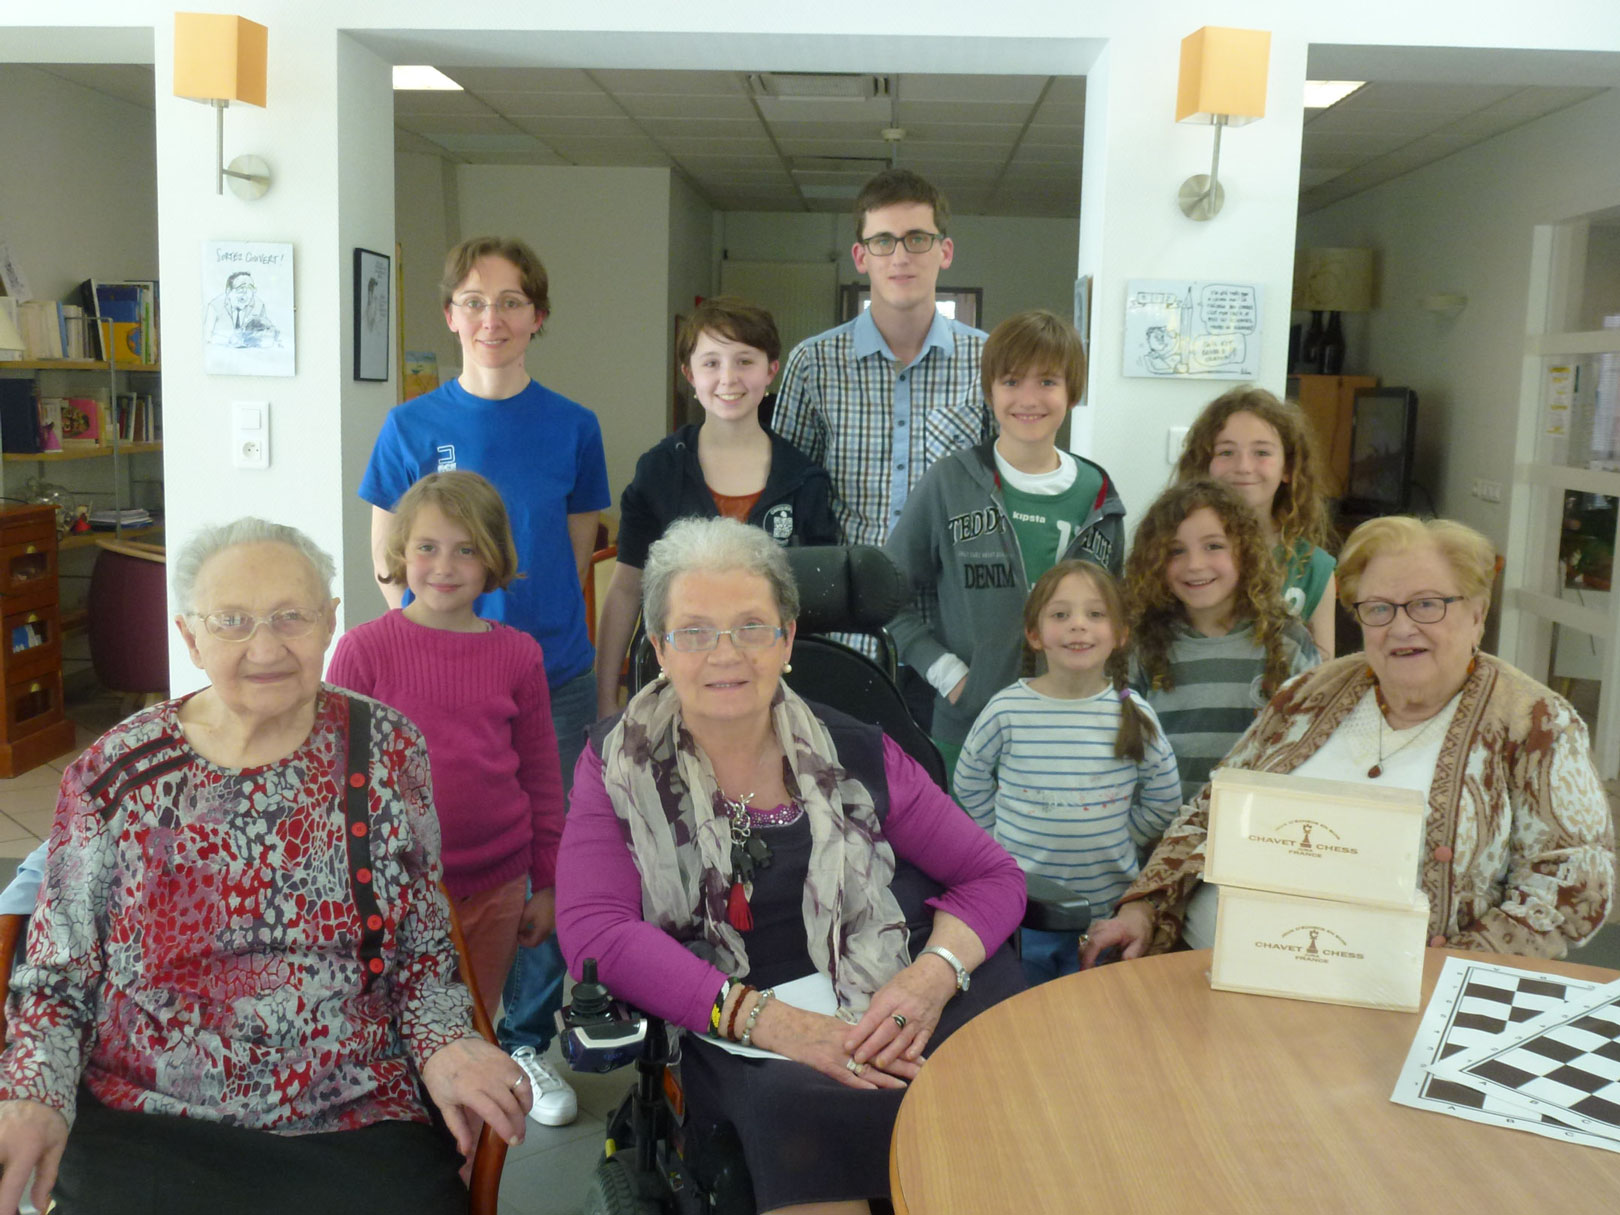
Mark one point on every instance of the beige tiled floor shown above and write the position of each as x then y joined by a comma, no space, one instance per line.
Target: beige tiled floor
27,801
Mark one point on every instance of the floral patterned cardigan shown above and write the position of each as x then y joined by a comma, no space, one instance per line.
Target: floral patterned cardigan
199,947
1515,799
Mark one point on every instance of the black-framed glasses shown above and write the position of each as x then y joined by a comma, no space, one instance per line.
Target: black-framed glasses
748,637
1431,609
287,624
507,305
915,241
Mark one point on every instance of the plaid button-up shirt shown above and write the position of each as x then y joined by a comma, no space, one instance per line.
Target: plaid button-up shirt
874,425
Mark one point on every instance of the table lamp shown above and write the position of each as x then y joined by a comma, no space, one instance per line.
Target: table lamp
1326,283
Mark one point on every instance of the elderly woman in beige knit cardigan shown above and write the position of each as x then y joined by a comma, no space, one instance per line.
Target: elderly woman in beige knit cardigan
1518,853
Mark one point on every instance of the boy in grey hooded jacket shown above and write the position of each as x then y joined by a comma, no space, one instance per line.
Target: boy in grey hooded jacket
985,523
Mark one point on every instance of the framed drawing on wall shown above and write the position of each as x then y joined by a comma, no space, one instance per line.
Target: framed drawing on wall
371,286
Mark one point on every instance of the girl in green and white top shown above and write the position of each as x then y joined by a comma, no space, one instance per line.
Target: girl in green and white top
1264,449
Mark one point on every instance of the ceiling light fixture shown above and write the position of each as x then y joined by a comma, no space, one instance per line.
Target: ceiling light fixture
422,77
1320,94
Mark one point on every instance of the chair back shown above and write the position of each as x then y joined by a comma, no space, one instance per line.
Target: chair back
842,589
129,618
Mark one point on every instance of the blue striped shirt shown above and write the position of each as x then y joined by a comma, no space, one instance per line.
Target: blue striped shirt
1040,774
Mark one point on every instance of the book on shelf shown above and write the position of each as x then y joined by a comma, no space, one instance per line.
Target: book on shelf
82,422
134,414
50,423
8,310
40,322
19,417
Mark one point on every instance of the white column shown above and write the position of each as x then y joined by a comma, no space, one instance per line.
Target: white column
1136,157
327,133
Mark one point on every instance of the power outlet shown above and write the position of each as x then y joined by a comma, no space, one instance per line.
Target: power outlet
250,434
1487,491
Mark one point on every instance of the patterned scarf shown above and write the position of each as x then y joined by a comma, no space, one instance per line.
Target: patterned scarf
664,790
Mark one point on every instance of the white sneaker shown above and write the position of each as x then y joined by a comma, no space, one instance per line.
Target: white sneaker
554,1101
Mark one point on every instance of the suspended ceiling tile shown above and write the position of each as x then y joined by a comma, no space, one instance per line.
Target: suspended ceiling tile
834,147
1340,119
705,165
562,127
1009,113
474,144
1536,101
410,141
527,104
991,153
1059,113
518,156
952,88
1067,89
661,81
626,152
686,146
660,105
966,132
1364,145
826,130
411,102
705,128
433,125
131,82
1430,98
546,80
834,111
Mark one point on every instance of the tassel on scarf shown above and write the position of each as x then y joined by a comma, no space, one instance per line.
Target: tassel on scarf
737,909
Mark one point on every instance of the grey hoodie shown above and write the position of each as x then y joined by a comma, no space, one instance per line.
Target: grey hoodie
955,542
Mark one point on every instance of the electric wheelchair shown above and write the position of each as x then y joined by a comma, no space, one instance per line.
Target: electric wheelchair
658,1160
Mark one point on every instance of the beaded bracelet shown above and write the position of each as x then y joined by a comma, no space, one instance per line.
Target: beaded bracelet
719,1006
765,997
731,1023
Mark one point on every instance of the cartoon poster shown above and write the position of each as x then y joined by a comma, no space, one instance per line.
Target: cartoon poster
1191,329
247,308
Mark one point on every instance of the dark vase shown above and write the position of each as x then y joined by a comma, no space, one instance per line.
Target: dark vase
1310,347
1333,347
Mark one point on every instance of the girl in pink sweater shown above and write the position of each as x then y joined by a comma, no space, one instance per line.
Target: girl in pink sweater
477,691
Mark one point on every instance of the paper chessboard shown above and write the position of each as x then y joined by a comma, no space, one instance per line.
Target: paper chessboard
1522,1049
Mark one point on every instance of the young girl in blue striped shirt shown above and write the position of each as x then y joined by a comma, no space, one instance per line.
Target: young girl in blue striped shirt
1069,769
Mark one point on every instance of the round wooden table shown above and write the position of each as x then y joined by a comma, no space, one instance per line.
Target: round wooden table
1135,1088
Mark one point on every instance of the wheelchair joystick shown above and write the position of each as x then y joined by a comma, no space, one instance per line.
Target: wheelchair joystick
599,1033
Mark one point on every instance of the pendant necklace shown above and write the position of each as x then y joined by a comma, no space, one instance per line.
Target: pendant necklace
748,853
1377,769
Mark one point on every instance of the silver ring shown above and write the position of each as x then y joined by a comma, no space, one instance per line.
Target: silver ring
899,1020
520,1082
853,1067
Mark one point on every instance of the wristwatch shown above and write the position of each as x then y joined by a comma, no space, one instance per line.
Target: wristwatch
963,980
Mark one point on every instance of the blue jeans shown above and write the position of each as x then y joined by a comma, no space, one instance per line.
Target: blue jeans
1048,955
534,986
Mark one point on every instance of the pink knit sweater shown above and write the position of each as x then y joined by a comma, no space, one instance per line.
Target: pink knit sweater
481,702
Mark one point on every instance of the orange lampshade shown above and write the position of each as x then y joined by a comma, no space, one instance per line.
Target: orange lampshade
1223,74
218,57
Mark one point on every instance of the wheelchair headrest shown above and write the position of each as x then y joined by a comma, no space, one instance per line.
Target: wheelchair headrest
847,588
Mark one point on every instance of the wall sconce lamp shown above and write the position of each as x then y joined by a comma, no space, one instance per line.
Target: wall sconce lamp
1223,83
219,59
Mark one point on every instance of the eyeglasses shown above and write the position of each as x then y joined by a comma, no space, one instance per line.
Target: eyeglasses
289,623
476,305
1376,613
748,637
884,243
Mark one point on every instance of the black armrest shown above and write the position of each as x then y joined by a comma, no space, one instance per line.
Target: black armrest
1053,907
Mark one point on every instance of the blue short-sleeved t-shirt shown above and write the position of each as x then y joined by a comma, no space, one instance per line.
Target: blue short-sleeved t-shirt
544,453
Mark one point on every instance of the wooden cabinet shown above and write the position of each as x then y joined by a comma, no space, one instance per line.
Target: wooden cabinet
33,728
1328,400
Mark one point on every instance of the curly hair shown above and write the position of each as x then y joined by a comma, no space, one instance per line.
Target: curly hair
1297,511
1136,728
1155,610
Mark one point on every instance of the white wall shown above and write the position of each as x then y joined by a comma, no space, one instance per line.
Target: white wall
691,274
604,235
426,227
1463,225
1020,263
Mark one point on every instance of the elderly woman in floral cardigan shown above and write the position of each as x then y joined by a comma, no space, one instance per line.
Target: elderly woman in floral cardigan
1518,853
